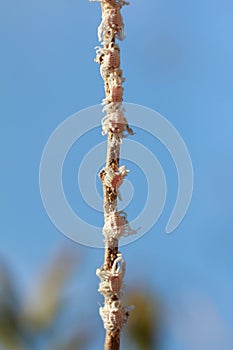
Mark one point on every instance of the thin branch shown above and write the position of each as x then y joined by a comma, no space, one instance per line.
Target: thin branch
115,125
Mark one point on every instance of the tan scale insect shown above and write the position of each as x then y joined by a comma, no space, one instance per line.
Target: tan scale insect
117,226
114,179
115,123
114,316
112,281
110,61
111,26
116,93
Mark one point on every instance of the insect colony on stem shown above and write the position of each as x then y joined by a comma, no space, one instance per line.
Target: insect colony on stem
115,124
112,281
117,226
114,316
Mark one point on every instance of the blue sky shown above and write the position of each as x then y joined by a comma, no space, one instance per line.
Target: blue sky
177,59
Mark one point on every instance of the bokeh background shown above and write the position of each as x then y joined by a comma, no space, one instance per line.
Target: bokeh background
177,59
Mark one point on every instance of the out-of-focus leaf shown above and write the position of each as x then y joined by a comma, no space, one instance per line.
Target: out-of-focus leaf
143,324
9,323
44,300
6,284
36,323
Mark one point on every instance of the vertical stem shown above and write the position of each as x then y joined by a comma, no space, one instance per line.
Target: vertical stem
111,274
112,341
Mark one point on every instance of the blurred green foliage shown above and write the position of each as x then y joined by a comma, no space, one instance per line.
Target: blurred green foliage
144,322
31,321
34,320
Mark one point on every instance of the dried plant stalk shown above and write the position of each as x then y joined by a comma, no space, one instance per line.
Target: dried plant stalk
115,125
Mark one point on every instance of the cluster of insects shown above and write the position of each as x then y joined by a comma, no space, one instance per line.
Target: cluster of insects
116,225
112,281
112,25
115,124
108,57
114,316
113,313
113,179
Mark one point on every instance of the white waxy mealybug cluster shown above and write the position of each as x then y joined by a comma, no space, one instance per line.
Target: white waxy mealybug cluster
114,316
114,179
112,281
109,59
113,85
113,107
115,123
114,78
112,25
117,226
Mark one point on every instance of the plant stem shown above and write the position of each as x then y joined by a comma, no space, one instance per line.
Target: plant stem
111,274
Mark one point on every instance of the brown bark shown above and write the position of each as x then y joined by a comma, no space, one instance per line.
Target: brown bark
112,341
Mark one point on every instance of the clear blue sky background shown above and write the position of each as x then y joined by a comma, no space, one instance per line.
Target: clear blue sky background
177,59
